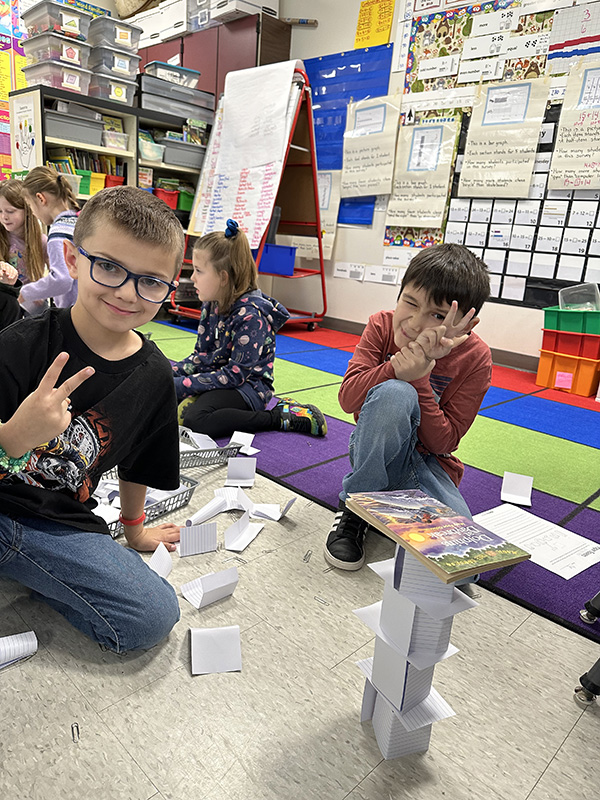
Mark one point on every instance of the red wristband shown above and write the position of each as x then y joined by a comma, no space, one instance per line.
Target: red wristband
132,522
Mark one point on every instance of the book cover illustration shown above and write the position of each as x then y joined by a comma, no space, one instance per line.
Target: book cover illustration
456,545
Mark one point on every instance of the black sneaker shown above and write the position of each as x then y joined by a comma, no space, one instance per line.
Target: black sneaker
344,548
300,418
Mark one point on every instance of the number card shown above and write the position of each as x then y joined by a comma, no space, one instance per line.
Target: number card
518,263
459,209
495,285
494,260
543,265
537,187
522,237
455,232
575,241
549,239
481,210
476,234
583,214
594,249
554,212
504,211
528,212
499,236
570,268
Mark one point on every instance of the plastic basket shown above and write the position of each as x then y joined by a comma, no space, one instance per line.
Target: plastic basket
277,259
185,201
169,197
570,319
586,345
84,184
584,372
176,501
150,151
114,180
215,456
97,181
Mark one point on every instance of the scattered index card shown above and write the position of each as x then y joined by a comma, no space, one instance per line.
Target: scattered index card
216,650
197,539
245,439
240,472
211,587
202,441
239,535
211,509
516,488
17,647
161,561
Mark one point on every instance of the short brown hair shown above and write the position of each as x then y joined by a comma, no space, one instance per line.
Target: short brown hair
35,266
45,179
140,214
233,256
449,272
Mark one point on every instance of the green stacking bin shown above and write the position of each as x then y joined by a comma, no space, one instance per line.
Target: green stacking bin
185,201
569,319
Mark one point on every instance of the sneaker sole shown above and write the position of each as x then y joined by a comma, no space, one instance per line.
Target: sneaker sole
350,566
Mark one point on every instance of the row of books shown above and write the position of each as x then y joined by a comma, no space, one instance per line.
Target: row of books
67,160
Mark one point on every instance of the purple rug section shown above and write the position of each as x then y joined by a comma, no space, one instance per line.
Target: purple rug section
322,482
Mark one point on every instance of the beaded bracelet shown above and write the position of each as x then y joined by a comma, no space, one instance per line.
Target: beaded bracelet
132,522
10,464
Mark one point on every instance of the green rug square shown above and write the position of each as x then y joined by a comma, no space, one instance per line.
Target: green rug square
159,332
290,377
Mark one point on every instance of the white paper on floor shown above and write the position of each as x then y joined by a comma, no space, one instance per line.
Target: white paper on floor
195,539
516,488
216,650
245,440
161,561
211,587
241,472
17,647
239,535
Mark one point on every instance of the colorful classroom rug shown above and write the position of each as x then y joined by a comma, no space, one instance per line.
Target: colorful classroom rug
521,427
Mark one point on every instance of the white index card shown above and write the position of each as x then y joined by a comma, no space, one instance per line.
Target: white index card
239,535
211,509
554,213
518,263
245,439
494,260
476,234
522,237
216,650
586,194
575,241
195,539
548,240
542,162
592,270
570,268
527,212
385,569
543,265
161,561
240,472
516,488
455,232
583,213
513,288
481,211
270,511
459,209
594,248
495,285
499,236
537,187
379,273
368,701
211,587
16,647
202,441
504,212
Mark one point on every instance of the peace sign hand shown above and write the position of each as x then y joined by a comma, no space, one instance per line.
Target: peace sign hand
44,414
439,341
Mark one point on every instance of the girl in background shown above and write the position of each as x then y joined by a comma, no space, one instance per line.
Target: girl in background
53,203
22,244
226,383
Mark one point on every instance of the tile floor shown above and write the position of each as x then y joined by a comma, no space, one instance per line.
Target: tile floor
287,726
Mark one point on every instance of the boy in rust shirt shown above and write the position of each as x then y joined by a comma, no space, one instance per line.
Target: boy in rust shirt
414,385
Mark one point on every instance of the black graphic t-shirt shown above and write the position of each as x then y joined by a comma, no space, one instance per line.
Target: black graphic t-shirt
124,415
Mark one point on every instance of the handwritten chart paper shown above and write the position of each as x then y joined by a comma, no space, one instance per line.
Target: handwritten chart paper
502,140
553,548
17,647
576,157
369,146
374,23
422,174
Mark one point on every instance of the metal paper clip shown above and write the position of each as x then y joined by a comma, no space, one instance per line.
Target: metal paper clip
75,732
320,600
328,569
307,556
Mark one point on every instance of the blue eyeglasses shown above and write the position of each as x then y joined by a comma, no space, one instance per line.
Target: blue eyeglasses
109,273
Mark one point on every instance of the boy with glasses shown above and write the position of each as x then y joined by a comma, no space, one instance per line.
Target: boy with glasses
83,392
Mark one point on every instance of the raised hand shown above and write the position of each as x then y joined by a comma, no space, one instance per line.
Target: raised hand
44,414
439,341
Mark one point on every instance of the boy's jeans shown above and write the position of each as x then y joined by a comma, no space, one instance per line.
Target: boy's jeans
103,589
382,449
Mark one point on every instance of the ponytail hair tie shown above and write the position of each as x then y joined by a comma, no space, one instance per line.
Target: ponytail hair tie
232,229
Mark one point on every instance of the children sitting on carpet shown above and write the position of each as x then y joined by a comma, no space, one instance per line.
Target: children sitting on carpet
227,382
414,384
82,393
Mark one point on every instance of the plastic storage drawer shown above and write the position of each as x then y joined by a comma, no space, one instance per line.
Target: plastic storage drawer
150,151
114,180
165,105
111,61
185,201
118,90
59,76
584,372
114,33
73,129
91,182
586,345
183,154
56,47
176,94
169,72
569,319
50,16
115,139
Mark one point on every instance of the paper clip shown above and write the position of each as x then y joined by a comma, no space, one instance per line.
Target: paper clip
328,569
307,556
320,600
75,732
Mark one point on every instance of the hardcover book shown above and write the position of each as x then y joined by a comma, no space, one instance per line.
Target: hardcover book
451,546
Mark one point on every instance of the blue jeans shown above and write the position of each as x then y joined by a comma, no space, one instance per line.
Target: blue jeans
383,454
103,589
